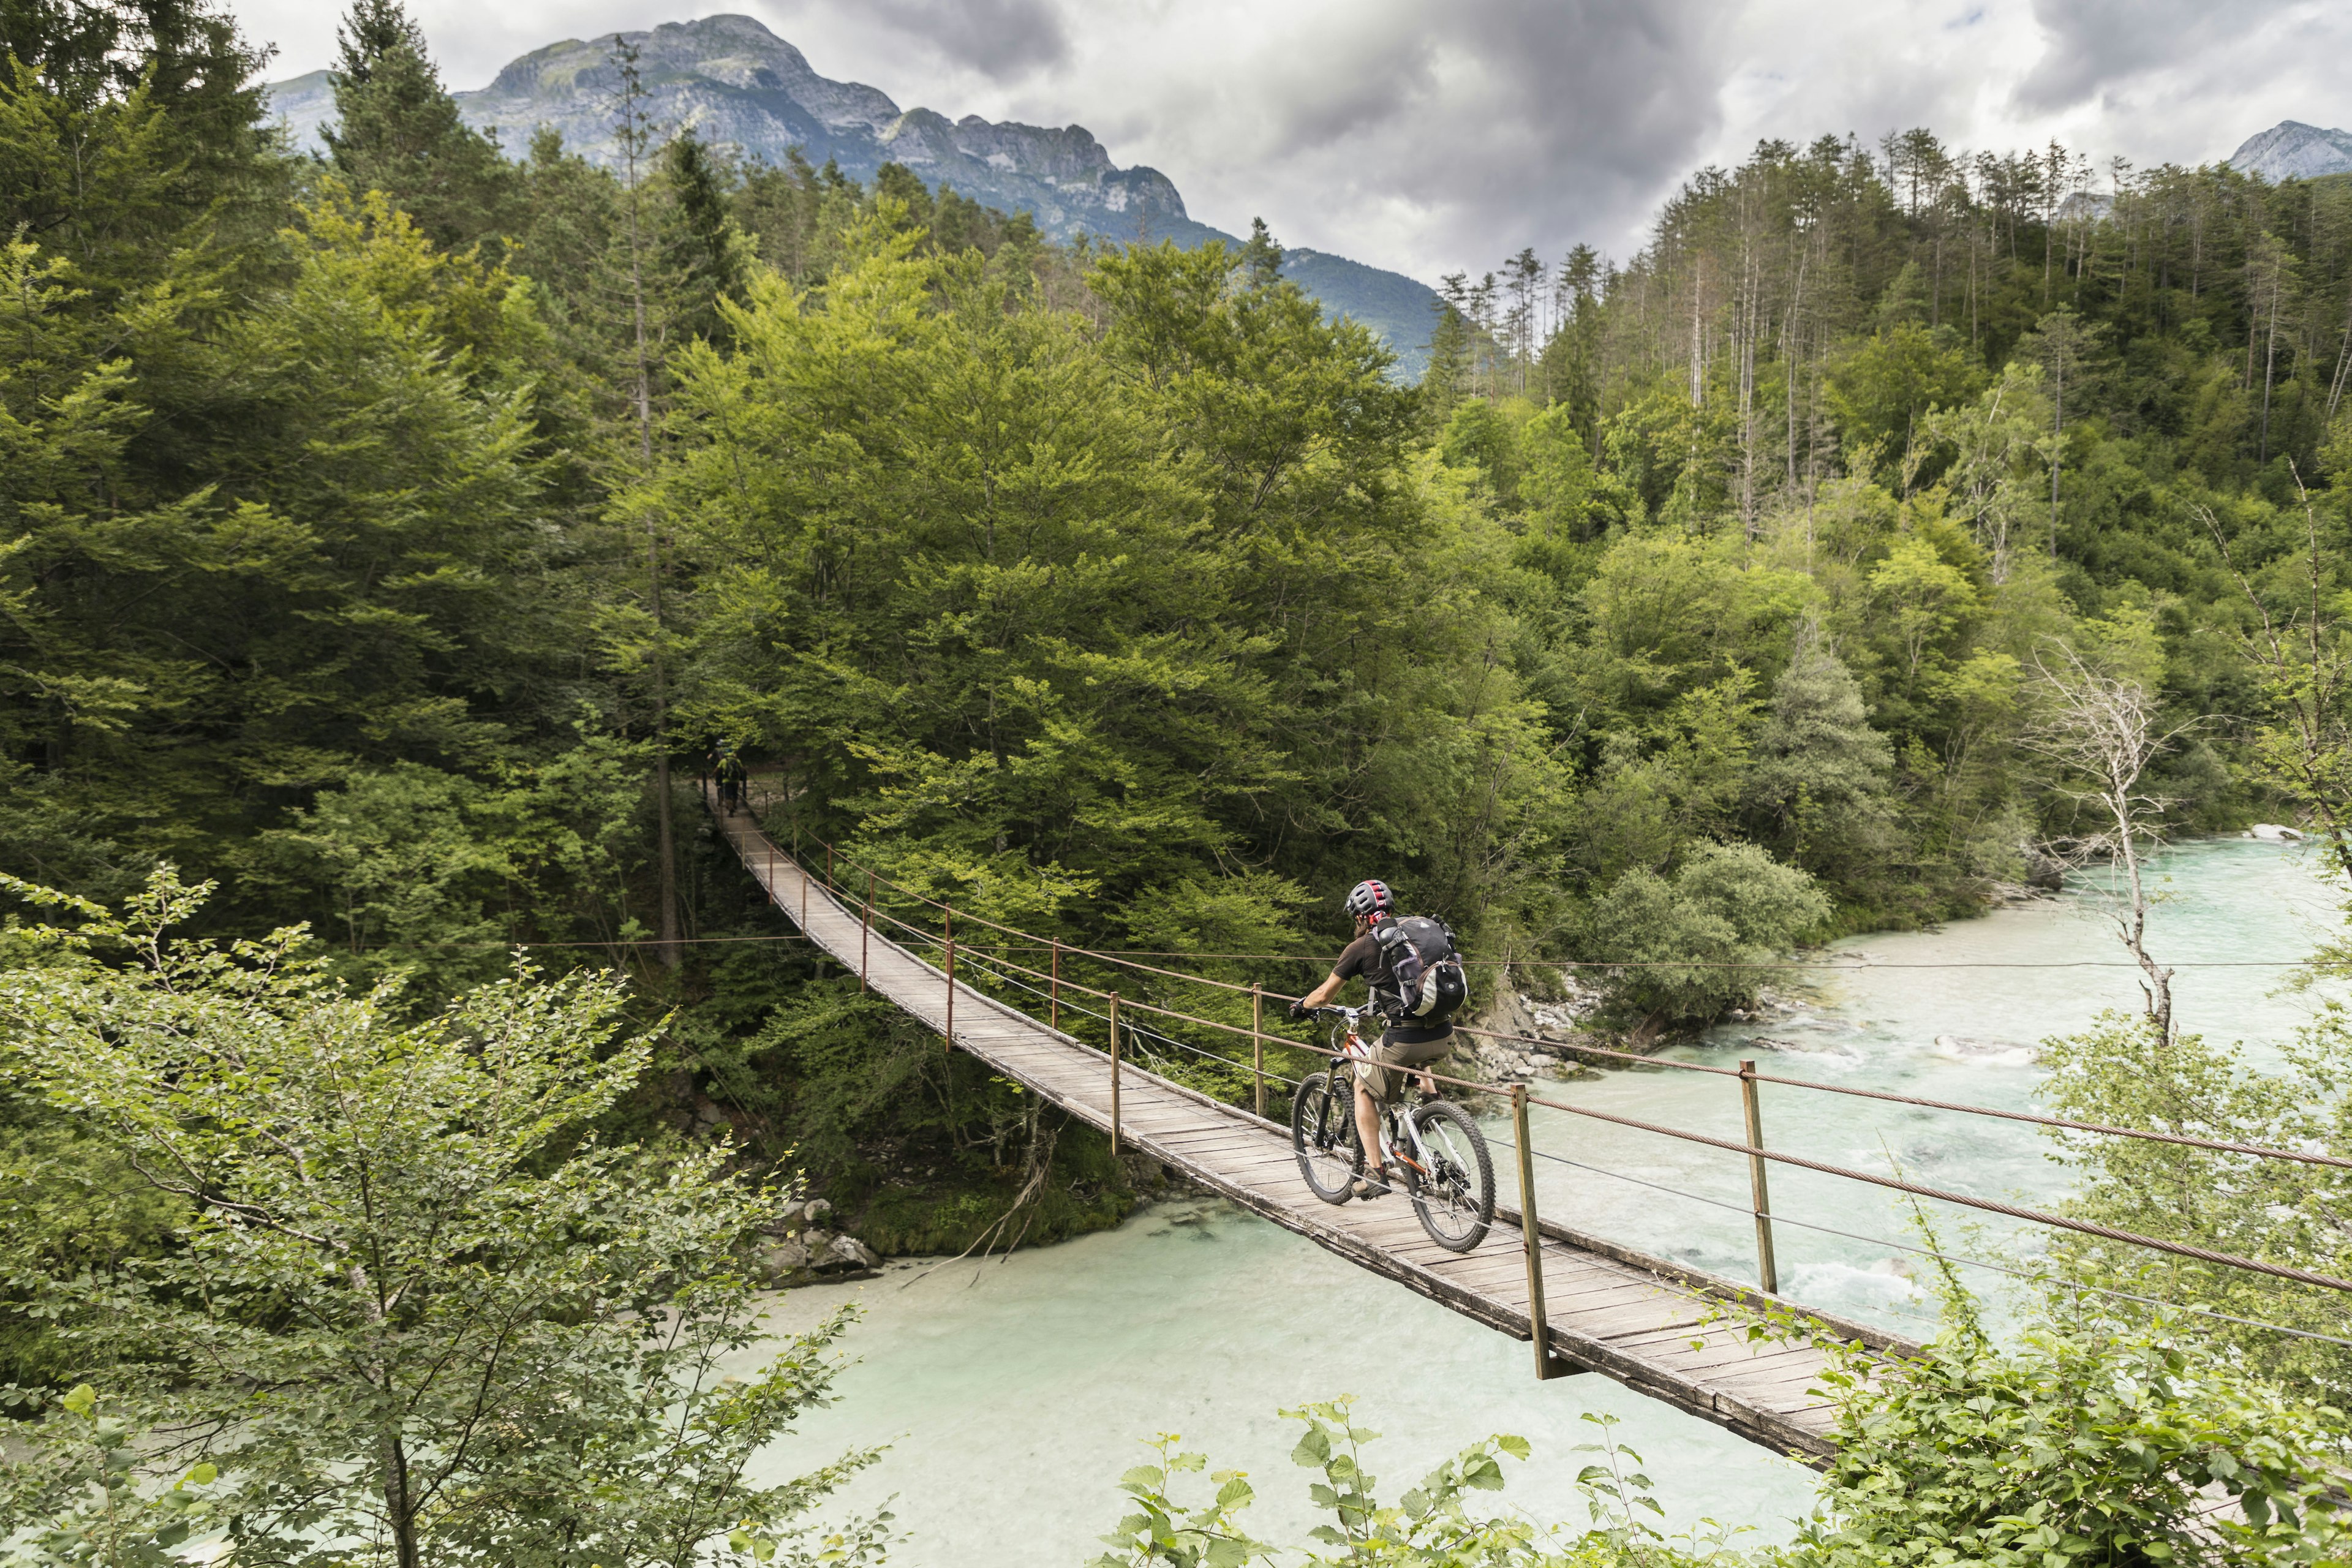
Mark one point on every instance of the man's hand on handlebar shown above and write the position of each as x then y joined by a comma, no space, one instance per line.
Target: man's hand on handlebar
1298,1012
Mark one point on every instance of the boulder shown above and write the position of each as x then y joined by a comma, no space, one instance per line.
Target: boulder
848,1252
781,1260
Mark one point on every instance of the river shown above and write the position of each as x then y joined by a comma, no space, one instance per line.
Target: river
1015,1392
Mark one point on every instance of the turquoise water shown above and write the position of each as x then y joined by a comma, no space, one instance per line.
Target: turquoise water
1955,1015
1016,1392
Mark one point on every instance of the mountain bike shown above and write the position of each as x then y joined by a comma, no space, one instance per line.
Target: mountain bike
1436,1148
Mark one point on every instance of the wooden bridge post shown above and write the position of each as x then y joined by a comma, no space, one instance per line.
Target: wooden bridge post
828,864
1054,1017
1531,1239
1258,1042
1768,1268
951,1031
1114,1075
865,929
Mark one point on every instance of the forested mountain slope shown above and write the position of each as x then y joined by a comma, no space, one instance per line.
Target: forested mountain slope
739,87
363,553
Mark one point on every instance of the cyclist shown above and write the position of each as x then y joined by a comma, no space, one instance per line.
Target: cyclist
1402,1045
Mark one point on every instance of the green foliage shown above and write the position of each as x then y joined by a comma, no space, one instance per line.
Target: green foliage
2072,1446
1882,391
398,132
1432,1525
1818,773
2123,1073
1705,940
84,1495
1063,625
416,1302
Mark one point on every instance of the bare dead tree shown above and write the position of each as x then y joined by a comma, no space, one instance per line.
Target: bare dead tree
2099,730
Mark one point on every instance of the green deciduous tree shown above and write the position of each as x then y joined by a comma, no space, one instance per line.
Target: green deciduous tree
2071,1445
1705,938
417,1308
1887,386
2127,1072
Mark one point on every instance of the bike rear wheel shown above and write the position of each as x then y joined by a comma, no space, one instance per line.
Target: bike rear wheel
1323,1132
1455,1198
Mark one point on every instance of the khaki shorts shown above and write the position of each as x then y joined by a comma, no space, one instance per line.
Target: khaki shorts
1390,1052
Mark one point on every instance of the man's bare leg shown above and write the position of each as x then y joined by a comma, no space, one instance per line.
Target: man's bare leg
1368,1128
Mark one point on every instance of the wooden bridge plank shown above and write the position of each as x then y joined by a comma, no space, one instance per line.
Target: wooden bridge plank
1612,1308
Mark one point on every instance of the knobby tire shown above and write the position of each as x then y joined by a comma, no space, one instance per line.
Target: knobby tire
1456,1202
1323,1135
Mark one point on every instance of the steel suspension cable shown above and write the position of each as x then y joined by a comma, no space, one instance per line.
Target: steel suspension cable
1955,1107
1777,1219
1989,1206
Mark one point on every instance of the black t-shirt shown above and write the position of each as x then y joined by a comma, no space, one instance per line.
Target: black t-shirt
1365,956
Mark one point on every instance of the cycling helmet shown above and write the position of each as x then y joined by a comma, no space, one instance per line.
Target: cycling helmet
1370,900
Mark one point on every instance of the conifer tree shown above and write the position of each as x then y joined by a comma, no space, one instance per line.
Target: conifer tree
1261,260
704,257
401,134
121,125
1818,771
1445,380
632,130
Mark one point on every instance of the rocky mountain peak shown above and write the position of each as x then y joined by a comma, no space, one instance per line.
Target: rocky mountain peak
739,87
2292,150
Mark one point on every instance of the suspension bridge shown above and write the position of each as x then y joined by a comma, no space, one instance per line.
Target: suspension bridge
1584,1303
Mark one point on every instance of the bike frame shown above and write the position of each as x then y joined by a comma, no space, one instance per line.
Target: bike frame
1355,1048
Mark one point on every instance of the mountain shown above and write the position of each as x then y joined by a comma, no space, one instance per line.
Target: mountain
2292,150
739,84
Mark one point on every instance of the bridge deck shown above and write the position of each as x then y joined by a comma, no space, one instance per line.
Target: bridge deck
1640,1320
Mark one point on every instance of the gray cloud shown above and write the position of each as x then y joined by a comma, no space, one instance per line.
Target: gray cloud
1425,135
1002,39
1468,132
2098,46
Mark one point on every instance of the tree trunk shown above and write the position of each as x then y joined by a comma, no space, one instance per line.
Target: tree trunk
400,1506
666,847
2270,361
2057,442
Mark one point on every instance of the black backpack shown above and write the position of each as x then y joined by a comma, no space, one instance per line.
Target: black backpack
1424,968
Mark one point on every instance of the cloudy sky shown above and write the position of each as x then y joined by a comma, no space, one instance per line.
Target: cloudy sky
1428,136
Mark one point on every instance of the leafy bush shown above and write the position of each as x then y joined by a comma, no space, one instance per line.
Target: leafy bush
1430,1525
2070,1447
413,1307
1730,904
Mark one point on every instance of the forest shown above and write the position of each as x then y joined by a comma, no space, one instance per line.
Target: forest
390,542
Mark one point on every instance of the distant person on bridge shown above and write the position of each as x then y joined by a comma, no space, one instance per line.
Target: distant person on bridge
1416,982
732,775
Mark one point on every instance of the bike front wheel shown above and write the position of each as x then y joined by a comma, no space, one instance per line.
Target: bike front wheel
1455,1199
1323,1132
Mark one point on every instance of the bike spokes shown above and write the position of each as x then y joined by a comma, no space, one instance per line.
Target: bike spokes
1456,1197
1323,1135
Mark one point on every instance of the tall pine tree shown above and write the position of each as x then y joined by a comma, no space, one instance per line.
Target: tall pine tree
401,134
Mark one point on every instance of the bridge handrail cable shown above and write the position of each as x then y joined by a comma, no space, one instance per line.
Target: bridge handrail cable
1958,1107
1753,1151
